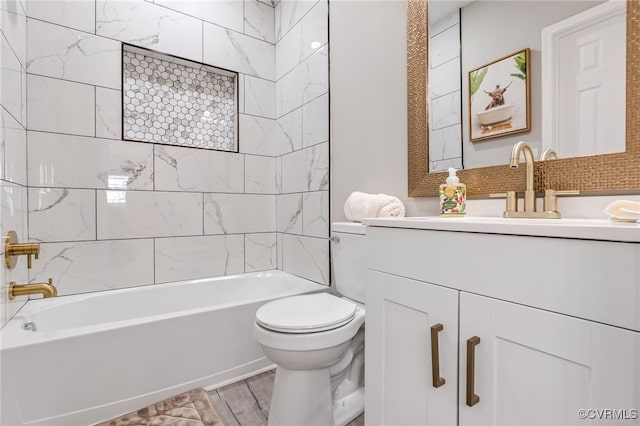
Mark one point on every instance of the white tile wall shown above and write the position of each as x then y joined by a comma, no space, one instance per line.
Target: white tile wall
203,170
14,27
236,51
289,132
257,135
60,106
150,25
13,193
260,174
97,202
239,213
444,46
445,127
80,15
60,52
95,163
14,149
140,214
289,12
11,95
307,257
445,110
259,97
315,121
259,20
305,38
226,13
79,267
186,258
260,252
61,214
315,214
302,135
108,113
444,79
13,211
290,213
306,170
304,83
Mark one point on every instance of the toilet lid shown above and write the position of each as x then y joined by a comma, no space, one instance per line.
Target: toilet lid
308,313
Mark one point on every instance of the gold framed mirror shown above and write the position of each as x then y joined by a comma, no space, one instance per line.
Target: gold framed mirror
619,172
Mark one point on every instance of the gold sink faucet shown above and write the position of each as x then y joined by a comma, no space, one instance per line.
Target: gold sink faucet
550,210
529,193
13,249
45,289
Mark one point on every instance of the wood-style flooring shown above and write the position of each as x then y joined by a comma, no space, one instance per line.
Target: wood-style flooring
246,403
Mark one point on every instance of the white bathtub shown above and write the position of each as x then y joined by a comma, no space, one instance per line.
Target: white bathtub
95,356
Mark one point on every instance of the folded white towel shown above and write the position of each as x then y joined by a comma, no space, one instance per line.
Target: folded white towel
624,210
360,206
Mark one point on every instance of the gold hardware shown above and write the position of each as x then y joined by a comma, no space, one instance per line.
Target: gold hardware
13,249
512,200
45,289
548,154
551,200
472,398
435,356
529,193
550,204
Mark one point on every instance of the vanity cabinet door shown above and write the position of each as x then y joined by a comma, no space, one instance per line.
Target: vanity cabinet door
398,356
540,368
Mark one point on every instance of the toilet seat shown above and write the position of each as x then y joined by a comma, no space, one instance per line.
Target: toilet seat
310,313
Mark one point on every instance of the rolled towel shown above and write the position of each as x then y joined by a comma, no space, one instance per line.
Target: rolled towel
360,206
623,210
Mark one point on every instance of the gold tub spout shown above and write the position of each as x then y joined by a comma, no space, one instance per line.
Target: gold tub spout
45,289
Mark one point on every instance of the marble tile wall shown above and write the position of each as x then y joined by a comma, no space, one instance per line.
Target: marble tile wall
445,131
302,138
13,144
111,213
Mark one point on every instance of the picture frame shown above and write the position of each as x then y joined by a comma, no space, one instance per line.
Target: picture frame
500,97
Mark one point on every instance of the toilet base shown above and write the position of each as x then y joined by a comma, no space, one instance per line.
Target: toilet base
303,397
349,407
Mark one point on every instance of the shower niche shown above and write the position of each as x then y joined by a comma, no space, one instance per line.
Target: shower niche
175,101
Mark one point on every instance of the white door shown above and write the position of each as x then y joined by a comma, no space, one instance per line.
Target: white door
534,367
584,72
406,321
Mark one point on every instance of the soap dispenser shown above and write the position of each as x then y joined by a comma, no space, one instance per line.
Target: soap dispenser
453,195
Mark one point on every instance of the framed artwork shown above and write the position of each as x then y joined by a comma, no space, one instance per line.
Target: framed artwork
500,97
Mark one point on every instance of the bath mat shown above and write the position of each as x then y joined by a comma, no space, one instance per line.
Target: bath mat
192,408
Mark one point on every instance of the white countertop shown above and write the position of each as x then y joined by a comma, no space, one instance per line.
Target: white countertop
590,229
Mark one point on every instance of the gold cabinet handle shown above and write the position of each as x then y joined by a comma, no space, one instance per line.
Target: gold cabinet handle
435,356
472,398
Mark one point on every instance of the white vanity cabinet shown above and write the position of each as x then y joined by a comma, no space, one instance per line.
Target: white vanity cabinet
537,367
404,319
534,355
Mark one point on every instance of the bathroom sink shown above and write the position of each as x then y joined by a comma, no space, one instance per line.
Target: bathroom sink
591,229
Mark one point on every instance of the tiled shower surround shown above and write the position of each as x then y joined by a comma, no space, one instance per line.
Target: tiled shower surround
445,90
177,102
111,213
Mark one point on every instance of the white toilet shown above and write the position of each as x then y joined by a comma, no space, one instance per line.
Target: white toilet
317,342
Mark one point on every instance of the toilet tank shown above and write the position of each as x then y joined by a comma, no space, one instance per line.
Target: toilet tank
348,251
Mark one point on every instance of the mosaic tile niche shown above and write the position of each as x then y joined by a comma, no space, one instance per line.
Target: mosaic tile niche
174,101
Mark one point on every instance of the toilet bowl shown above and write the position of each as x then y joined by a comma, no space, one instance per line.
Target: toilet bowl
317,343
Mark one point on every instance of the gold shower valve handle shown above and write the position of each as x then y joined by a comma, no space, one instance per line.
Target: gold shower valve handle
13,249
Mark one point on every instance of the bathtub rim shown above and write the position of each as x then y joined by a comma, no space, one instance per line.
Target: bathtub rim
13,335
